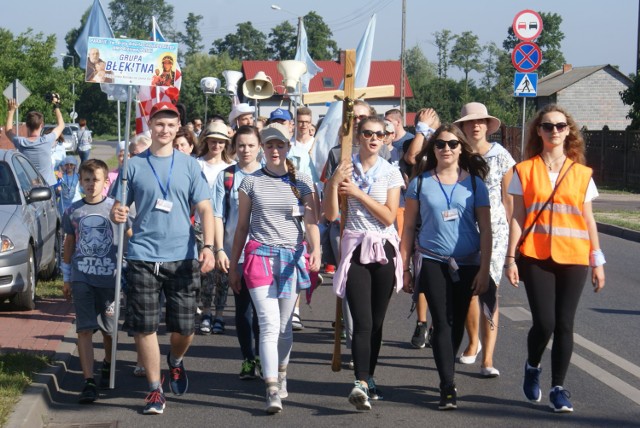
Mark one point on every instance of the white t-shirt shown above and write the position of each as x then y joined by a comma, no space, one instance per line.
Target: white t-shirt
515,186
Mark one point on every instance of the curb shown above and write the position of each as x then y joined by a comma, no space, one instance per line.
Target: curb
619,232
33,406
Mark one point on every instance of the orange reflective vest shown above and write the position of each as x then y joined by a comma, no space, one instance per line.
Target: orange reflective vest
561,230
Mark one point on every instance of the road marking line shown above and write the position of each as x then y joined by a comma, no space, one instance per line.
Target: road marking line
627,366
607,378
518,313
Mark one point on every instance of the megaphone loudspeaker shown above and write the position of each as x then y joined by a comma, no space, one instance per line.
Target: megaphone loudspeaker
231,79
258,88
291,72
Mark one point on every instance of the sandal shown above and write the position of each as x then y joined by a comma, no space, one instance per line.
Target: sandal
296,323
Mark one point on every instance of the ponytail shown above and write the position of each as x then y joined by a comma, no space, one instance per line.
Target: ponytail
291,173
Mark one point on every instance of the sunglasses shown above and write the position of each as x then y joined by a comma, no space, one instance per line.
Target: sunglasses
359,118
451,143
368,134
548,127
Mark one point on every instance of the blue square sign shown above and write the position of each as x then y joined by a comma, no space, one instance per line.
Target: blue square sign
525,85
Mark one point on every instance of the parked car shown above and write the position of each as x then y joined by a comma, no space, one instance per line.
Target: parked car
29,230
70,134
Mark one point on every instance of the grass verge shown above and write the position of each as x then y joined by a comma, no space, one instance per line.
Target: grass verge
16,373
621,218
52,288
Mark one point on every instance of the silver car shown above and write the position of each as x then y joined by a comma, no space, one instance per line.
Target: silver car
29,230
70,135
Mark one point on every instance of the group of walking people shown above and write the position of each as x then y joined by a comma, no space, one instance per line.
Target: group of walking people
469,211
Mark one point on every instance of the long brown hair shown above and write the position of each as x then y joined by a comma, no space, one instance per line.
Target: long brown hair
471,162
203,148
574,146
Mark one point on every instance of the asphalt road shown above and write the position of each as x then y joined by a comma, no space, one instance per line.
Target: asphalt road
604,378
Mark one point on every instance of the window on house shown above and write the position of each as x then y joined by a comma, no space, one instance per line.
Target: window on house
327,82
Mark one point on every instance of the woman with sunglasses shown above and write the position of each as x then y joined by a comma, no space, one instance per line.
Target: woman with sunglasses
555,233
453,246
213,158
370,267
478,125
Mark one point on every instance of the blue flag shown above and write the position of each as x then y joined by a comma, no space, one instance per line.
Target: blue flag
156,34
329,133
97,25
302,54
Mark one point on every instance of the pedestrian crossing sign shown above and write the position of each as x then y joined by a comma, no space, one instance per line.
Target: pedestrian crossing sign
525,85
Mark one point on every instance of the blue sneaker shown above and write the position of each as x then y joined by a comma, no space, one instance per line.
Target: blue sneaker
559,400
531,385
155,402
178,380
374,392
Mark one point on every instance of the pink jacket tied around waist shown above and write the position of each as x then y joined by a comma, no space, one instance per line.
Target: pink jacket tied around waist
372,251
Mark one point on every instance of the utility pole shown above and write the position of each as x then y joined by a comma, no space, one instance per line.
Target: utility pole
403,101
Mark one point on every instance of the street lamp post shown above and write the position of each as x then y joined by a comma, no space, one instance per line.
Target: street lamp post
276,7
74,115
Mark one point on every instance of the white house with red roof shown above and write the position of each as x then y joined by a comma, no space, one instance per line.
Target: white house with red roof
382,73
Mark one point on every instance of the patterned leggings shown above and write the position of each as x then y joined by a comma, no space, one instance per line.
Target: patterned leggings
214,285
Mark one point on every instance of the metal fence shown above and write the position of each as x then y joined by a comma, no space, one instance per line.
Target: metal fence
614,156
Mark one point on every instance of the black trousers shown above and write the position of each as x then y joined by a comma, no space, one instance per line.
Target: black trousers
368,292
449,303
553,291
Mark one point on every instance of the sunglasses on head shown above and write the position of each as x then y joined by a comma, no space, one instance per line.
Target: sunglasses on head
548,127
451,143
359,118
368,134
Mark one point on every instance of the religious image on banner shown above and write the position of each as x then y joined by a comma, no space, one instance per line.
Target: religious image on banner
165,75
96,71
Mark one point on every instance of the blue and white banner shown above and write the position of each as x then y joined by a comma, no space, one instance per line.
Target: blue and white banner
131,62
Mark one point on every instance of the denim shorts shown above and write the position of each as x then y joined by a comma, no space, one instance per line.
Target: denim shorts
94,307
145,280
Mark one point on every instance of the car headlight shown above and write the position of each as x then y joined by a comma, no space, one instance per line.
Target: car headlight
7,244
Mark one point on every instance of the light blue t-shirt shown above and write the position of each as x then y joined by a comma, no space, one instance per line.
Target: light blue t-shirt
160,236
230,219
39,153
457,238
302,161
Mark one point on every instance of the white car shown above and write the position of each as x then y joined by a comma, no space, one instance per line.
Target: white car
29,230
70,135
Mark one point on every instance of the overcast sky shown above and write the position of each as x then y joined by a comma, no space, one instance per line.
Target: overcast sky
596,32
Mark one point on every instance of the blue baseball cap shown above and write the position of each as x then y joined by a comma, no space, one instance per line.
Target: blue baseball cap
280,114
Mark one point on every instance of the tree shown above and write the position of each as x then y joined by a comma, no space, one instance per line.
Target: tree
320,45
549,42
246,43
491,57
132,18
31,58
283,39
465,55
198,66
443,39
631,97
192,37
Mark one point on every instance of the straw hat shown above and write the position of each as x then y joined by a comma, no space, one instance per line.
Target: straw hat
239,110
216,130
475,111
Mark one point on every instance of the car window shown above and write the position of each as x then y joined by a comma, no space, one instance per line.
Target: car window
9,193
34,177
23,178
66,131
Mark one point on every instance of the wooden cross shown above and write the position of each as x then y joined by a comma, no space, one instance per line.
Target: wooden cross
348,95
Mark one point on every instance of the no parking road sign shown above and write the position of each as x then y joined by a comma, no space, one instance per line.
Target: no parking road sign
526,57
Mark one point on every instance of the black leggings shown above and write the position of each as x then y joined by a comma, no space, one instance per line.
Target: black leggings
368,292
449,303
553,291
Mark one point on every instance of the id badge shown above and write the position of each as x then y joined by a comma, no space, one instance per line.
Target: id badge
297,210
164,205
449,215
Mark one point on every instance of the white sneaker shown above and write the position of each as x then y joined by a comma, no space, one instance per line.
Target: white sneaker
282,385
274,403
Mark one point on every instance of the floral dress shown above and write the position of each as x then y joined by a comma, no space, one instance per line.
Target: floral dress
500,161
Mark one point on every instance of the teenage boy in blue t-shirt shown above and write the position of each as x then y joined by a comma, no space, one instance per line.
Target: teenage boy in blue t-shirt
162,255
89,271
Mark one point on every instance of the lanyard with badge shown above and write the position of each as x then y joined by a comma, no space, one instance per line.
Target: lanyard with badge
448,214
163,204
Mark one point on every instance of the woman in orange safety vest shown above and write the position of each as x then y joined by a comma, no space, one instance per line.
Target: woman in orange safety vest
555,233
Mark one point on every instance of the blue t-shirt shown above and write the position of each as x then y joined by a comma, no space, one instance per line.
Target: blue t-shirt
456,238
39,153
160,236
230,218
94,259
